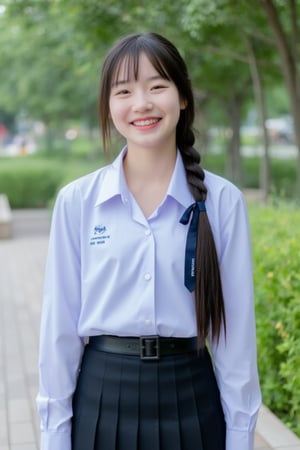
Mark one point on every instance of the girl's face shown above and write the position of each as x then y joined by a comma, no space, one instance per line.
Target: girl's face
145,110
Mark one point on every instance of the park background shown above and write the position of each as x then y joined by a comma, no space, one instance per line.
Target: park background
243,58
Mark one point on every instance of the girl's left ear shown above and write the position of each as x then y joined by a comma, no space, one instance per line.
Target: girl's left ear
183,104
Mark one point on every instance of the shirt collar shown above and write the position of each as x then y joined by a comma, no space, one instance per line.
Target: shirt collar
178,187
114,184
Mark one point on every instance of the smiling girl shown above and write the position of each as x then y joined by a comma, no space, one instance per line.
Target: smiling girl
149,265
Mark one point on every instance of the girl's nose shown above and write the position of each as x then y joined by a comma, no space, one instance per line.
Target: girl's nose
142,104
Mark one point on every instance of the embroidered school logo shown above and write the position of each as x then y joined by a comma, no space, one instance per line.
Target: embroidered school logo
99,235
99,229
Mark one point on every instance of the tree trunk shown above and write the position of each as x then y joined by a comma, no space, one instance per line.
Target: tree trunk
201,101
264,179
289,66
234,161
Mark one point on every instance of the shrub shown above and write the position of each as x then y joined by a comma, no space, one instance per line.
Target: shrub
283,172
32,182
276,252
28,182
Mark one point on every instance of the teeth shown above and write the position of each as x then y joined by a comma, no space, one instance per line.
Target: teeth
143,123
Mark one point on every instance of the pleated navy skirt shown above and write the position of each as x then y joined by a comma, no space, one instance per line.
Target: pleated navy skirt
124,403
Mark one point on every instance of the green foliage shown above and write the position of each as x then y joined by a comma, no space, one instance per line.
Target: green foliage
283,172
52,51
47,71
31,182
276,250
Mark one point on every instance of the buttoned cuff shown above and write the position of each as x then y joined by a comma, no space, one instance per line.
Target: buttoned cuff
51,440
239,440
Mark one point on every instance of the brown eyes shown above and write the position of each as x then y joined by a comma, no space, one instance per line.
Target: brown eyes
125,92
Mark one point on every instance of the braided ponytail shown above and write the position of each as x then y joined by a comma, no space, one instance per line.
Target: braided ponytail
209,302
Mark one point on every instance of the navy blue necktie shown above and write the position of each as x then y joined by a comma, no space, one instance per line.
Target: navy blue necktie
191,243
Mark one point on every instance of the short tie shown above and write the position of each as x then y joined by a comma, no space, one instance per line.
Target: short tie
191,243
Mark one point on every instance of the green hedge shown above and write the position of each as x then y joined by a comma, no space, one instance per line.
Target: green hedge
276,251
32,182
29,182
283,172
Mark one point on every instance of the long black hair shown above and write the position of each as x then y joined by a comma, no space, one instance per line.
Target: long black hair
165,58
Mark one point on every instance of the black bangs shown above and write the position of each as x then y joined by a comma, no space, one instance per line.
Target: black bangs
125,65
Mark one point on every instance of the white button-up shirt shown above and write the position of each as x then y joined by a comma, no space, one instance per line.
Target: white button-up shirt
110,270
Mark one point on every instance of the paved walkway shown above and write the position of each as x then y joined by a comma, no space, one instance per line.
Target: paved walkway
22,261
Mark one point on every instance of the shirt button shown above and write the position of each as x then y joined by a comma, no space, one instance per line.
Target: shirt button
148,322
147,276
148,232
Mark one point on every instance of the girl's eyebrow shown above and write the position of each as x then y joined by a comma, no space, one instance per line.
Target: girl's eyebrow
120,82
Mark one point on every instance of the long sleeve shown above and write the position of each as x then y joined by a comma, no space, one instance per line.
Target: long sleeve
235,357
60,346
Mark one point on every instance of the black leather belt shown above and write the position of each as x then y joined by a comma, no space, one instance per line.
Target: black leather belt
146,347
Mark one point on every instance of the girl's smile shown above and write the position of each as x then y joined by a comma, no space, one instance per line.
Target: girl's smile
146,123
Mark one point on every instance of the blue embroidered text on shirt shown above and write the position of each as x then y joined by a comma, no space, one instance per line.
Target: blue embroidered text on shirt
98,236
99,229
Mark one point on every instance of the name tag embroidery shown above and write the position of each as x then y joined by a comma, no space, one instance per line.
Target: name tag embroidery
99,236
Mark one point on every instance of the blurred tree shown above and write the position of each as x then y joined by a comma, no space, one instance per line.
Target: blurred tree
283,18
48,70
53,52
228,32
269,35
168,18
